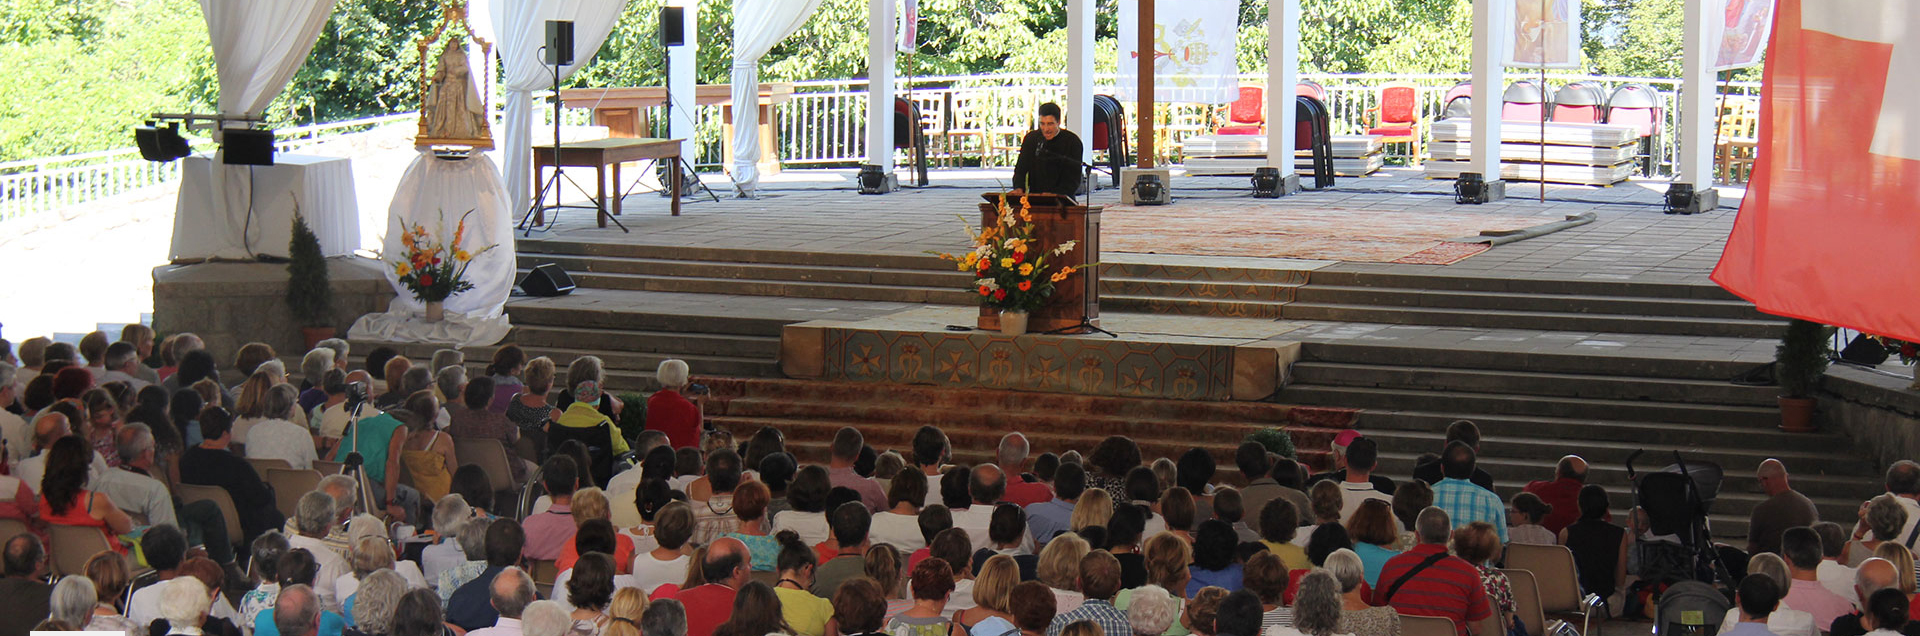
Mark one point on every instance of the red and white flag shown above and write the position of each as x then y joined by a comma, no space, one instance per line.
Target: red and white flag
1830,227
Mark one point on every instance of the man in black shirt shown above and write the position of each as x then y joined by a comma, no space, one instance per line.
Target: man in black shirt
1049,158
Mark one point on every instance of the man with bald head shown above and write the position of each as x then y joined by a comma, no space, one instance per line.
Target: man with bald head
512,591
1563,493
986,486
726,568
47,429
1874,574
1784,508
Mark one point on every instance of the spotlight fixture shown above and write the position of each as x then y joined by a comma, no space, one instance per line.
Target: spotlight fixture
160,143
1266,183
1149,190
1469,188
247,147
1680,199
872,180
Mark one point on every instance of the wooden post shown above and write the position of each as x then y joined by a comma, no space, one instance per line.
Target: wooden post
1144,110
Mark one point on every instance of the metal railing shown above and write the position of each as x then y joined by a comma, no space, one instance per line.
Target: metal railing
41,185
970,120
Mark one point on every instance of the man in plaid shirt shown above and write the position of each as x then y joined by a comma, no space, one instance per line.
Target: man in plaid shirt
1464,501
1099,581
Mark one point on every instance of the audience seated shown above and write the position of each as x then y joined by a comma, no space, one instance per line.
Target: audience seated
1464,432
23,563
470,607
1599,548
1427,581
1800,546
1783,508
669,411
1781,619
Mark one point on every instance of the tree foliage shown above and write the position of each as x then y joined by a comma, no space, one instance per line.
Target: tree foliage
81,73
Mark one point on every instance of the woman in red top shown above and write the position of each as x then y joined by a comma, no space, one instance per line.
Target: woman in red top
671,413
65,501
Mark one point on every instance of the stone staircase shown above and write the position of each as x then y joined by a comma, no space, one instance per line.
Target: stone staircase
1533,408
809,412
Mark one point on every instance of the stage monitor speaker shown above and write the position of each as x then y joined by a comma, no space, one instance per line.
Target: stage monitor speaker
547,279
247,147
673,26
559,42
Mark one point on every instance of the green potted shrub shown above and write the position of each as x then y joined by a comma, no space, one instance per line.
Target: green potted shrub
1277,440
1798,364
309,292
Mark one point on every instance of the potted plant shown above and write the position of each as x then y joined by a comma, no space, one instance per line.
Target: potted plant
309,293
1012,270
1798,364
434,270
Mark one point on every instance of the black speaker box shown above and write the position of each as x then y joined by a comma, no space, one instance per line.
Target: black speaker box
559,42
547,279
247,147
673,26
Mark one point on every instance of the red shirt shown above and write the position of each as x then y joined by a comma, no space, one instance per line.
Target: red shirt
672,414
1564,496
707,607
1450,588
1027,493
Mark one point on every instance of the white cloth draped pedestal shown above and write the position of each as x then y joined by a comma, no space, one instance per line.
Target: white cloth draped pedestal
521,27
435,193
758,25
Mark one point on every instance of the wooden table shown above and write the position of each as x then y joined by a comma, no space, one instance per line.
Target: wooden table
599,154
624,111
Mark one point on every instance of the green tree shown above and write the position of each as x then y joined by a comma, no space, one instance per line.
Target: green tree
365,64
81,76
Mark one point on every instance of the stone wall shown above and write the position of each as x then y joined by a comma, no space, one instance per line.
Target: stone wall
1876,411
231,304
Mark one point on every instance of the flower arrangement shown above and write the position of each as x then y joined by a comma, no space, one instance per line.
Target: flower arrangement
1012,270
433,270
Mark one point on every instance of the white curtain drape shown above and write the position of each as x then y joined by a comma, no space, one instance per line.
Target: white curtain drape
521,26
757,26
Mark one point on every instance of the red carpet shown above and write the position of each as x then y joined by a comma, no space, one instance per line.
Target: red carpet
1337,234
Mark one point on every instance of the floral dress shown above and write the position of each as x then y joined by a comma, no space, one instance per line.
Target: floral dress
1499,589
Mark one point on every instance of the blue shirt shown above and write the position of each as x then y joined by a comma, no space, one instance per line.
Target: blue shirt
331,624
1373,558
1466,502
471,606
1049,518
1228,578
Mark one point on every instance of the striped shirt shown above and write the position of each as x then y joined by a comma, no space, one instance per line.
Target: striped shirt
1450,588
1101,612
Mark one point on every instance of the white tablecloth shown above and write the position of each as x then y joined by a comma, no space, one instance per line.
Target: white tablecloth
321,186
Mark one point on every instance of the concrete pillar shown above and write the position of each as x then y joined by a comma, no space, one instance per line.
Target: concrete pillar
681,70
1080,74
1492,28
1694,161
880,72
1283,72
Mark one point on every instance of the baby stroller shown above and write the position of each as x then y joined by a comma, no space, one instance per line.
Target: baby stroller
1676,501
1689,608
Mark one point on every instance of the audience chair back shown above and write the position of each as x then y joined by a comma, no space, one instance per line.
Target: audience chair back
289,485
260,465
10,528
72,546
1554,575
1411,625
491,456
1526,601
190,493
327,467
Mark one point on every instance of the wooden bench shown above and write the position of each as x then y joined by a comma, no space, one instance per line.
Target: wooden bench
599,154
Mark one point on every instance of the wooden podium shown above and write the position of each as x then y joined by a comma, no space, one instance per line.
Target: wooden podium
1056,219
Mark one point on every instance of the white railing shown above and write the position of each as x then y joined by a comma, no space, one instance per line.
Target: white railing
969,120
41,185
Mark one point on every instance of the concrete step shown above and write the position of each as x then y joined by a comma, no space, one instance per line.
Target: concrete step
868,275
1111,286
1531,301
1219,308
1589,431
1737,480
563,247
1348,276
945,295
1532,383
1538,320
1731,458
986,424
1014,403
1511,404
603,339
1468,357
676,312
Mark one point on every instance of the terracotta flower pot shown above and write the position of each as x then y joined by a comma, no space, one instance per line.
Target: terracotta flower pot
1796,415
1013,323
313,335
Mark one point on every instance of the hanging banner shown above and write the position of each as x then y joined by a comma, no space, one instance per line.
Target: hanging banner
1546,34
1742,35
909,27
1193,52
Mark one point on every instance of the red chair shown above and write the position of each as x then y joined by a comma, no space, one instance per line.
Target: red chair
1523,100
1580,103
1247,115
1396,117
1638,105
1310,88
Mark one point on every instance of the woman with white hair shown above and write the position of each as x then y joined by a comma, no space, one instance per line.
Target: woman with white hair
1357,616
380,593
368,551
73,600
314,367
276,436
1316,609
450,514
183,605
1152,610
669,411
